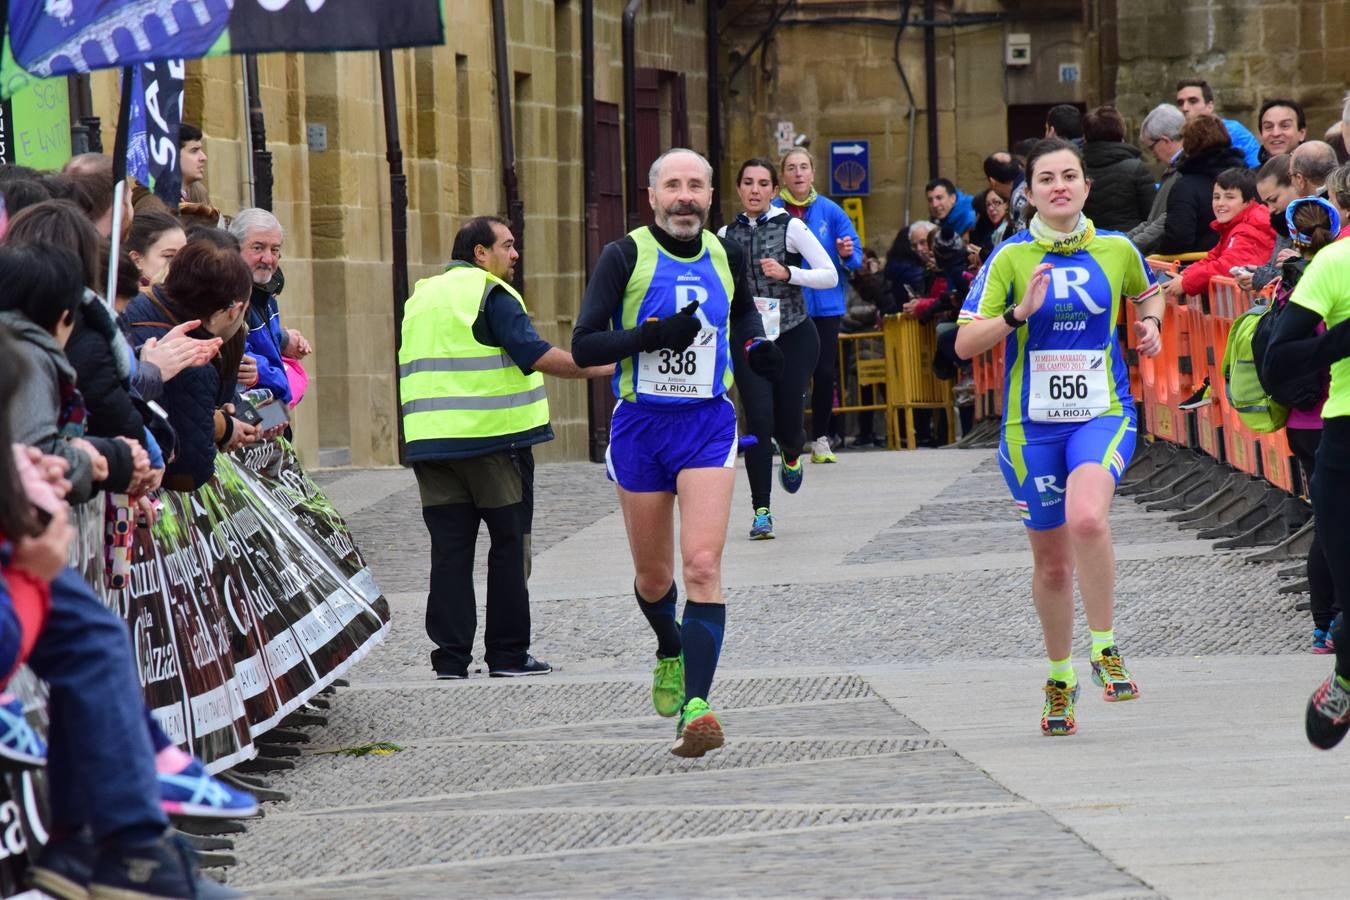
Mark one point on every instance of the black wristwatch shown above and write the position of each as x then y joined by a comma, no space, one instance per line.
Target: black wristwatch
1012,320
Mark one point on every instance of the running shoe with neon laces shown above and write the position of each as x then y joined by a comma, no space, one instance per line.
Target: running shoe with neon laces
1109,674
790,476
1328,716
1321,642
19,743
1057,716
762,528
698,730
821,451
668,685
193,792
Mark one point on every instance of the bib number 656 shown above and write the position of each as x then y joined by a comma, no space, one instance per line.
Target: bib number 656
1068,387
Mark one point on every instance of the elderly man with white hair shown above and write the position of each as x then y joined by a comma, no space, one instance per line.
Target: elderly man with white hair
1160,134
260,238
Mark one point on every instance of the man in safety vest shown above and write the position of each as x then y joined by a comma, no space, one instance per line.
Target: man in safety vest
471,383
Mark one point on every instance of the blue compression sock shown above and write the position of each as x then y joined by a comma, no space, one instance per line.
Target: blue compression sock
702,636
661,616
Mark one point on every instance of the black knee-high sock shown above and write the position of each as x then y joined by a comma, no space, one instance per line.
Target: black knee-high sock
702,635
661,616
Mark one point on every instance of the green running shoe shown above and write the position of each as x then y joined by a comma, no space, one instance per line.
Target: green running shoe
1057,717
698,730
1109,674
668,685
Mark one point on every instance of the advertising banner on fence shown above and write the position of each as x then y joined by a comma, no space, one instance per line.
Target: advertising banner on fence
246,598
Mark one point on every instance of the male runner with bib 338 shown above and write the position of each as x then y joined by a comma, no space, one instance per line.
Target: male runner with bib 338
1052,295
669,304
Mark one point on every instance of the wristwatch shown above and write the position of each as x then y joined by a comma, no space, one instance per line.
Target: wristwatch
1011,319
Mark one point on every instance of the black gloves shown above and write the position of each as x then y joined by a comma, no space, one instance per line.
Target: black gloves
675,332
765,359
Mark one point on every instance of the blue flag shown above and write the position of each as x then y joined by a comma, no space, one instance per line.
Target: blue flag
63,37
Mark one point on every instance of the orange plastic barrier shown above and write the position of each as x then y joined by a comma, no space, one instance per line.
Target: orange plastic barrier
1194,335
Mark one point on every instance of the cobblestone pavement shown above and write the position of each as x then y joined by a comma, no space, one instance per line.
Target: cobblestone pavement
564,786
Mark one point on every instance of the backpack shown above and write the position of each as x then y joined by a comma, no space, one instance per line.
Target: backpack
1249,399
1304,392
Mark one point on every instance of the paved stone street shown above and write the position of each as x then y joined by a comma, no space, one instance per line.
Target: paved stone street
880,686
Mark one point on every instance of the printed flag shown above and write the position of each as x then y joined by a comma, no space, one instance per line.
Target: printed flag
66,37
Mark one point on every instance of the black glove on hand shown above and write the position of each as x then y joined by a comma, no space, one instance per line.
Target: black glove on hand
765,359
675,332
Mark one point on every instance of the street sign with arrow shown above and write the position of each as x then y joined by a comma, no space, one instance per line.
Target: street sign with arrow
849,175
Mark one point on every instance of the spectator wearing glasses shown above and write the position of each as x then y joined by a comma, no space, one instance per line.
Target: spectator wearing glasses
1160,134
1196,98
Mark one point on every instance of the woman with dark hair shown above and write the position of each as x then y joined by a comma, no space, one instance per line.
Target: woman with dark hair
40,294
1207,150
153,242
777,245
210,285
1052,295
1122,186
97,349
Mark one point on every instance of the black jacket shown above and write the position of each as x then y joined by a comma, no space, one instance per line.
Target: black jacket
190,398
1190,205
104,379
1122,186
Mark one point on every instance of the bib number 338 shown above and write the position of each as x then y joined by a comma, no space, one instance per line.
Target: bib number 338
680,373
1068,385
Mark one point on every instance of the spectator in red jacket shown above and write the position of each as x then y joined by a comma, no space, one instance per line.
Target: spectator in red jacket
1245,235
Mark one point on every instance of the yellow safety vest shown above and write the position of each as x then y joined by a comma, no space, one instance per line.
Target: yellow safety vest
459,397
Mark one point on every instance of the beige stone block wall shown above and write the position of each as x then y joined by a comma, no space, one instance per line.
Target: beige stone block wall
334,204
1247,50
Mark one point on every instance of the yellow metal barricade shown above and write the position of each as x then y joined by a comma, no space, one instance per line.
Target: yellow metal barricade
862,364
911,384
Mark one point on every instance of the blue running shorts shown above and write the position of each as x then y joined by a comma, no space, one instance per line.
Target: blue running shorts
649,447
1037,474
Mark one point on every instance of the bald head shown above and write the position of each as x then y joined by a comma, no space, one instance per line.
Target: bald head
675,154
679,188
1310,164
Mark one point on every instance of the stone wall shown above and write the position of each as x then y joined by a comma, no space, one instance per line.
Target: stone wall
1248,50
334,204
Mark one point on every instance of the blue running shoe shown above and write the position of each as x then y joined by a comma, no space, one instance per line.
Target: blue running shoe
193,792
1331,630
166,868
762,528
19,743
64,866
790,476
1321,642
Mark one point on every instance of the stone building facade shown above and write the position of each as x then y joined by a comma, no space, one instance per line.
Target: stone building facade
829,67
334,203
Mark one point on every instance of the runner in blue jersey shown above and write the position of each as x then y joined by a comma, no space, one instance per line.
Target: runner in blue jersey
1052,295
669,304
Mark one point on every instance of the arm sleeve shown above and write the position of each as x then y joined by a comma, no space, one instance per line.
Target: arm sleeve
120,468
510,328
270,375
843,227
991,291
743,321
190,403
1148,234
822,274
593,343
1296,349
33,420
1139,283
1145,190
111,411
147,380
